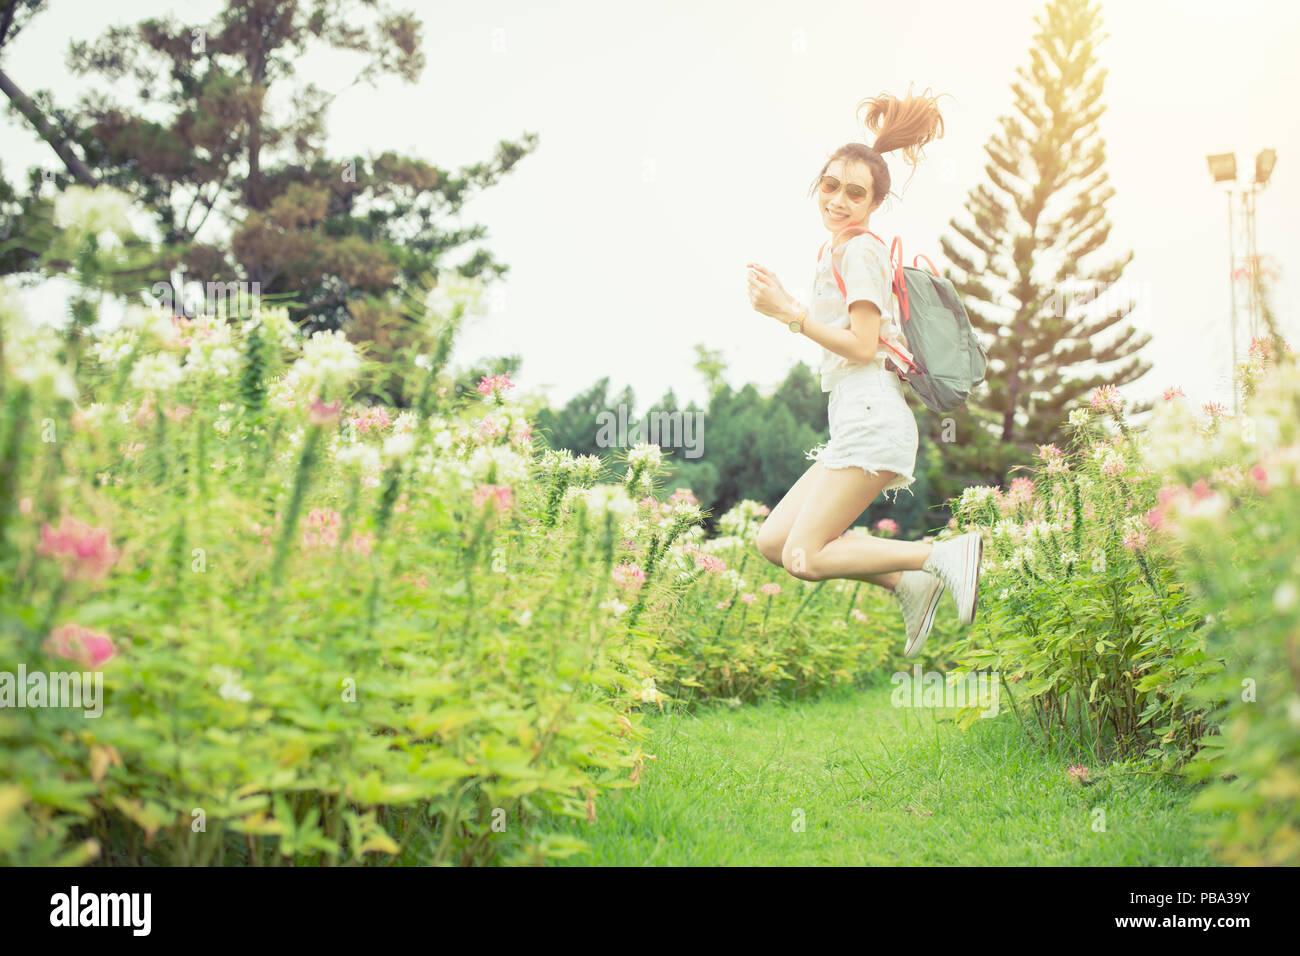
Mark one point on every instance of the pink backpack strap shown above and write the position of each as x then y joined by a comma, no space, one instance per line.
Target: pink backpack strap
921,255
852,230
902,359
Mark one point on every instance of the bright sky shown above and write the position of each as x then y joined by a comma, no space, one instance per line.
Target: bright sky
678,139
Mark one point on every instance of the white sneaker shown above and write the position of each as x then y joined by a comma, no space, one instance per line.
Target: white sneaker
918,594
956,562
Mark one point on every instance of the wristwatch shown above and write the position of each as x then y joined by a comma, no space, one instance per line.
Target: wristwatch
796,325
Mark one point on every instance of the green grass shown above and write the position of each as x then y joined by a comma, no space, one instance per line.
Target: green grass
878,785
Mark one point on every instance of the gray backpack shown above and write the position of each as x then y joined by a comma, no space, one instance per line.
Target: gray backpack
944,360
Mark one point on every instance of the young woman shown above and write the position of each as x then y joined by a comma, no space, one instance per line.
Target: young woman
873,434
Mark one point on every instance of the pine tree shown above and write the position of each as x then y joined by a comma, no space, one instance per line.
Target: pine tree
1034,285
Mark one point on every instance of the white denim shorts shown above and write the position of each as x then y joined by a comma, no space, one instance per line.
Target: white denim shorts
871,426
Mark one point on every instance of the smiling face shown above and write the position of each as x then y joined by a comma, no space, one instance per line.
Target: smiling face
844,195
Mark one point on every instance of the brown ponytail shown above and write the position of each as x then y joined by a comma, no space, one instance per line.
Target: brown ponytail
907,124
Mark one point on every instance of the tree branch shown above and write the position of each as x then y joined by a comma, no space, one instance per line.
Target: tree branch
61,146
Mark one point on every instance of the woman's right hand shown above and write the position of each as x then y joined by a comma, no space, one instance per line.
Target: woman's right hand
766,294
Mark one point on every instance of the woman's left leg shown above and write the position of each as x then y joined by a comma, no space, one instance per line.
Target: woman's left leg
814,549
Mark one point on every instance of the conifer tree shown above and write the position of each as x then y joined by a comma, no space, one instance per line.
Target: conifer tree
1032,271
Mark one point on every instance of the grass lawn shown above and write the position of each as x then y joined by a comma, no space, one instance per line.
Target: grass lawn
878,785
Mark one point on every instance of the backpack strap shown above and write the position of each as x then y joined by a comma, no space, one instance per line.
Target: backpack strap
839,280
900,281
902,360
927,260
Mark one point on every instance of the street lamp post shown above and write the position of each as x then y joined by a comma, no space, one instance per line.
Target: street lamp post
1223,169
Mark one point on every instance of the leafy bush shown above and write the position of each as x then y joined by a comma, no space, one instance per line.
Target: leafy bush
1232,513
1091,633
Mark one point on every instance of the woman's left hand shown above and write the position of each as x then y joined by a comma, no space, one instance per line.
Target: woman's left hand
766,293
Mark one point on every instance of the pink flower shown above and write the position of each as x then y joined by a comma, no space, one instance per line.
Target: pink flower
723,605
370,418
1214,410
76,643
682,494
1048,452
1113,467
710,564
628,576
771,588
85,551
762,510
887,527
323,414
748,598
1105,398
494,385
1260,475
145,413
1020,492
1175,392
178,413
501,496
1135,539
858,616
1078,773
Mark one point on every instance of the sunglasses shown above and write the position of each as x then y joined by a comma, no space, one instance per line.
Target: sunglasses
829,184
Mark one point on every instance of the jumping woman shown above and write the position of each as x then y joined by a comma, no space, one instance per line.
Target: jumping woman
873,434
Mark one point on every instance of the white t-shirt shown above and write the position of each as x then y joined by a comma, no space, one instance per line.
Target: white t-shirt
864,266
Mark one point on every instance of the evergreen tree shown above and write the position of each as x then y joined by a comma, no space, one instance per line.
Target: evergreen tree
1032,284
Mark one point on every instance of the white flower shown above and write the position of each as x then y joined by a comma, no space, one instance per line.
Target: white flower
1080,416
733,578
615,605
230,688
359,455
586,468
610,498
88,211
159,372
212,350
112,348
398,446
644,452
1022,554
442,440
275,325
328,360
976,496
1284,597
149,322
498,463
743,519
1068,558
